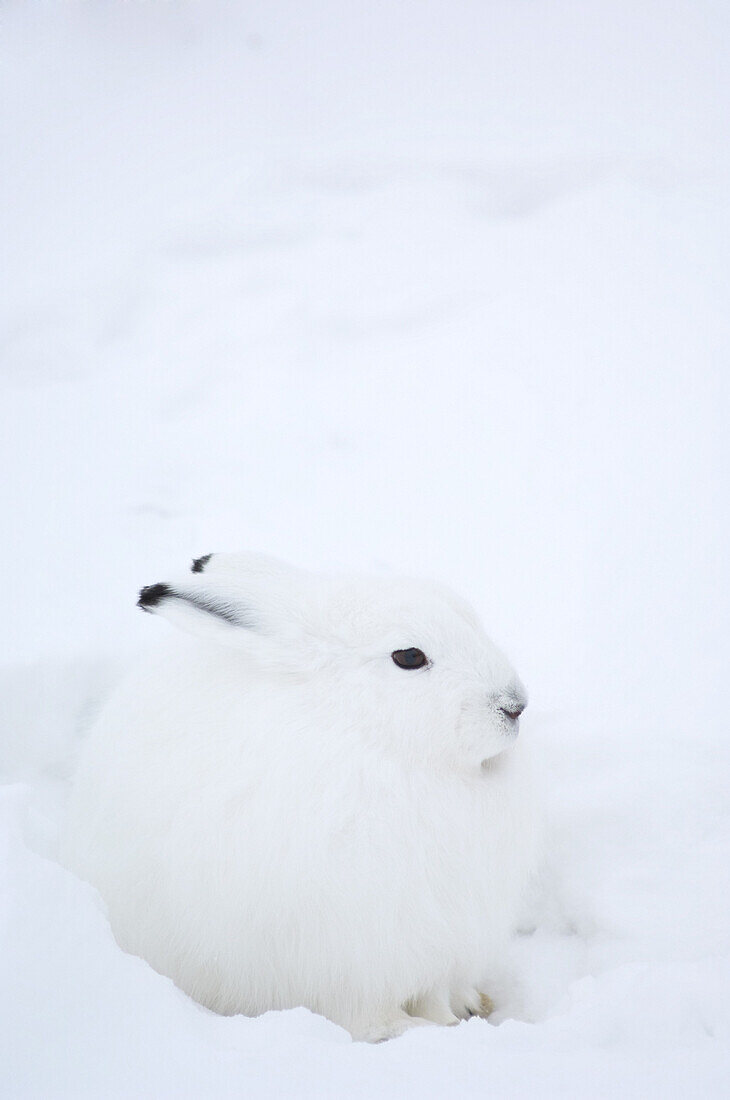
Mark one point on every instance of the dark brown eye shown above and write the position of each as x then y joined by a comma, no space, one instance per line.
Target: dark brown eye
410,658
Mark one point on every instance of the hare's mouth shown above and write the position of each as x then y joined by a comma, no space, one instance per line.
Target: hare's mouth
494,763
496,760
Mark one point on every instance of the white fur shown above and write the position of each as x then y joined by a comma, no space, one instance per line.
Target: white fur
277,815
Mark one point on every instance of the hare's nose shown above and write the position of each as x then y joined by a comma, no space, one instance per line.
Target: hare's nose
513,709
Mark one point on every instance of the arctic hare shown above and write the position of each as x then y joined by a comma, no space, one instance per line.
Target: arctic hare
316,801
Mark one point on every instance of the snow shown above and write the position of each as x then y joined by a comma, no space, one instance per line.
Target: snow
437,288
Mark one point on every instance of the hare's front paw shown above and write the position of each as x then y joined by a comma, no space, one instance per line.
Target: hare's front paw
472,1002
434,1007
389,1028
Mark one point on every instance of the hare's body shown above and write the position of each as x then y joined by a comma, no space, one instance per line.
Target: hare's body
259,842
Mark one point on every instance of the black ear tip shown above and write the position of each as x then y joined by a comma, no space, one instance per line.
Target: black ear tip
199,564
152,595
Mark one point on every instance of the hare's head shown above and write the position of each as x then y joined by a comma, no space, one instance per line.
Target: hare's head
403,666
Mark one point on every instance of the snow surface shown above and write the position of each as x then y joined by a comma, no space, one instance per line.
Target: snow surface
432,287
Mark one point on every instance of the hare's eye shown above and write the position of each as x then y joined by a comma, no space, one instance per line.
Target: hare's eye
410,658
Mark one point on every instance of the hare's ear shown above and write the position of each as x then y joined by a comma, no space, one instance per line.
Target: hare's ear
205,611
256,569
231,598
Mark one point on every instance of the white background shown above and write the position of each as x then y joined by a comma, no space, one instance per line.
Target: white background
435,288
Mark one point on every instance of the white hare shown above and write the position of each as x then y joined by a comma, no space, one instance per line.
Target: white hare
317,801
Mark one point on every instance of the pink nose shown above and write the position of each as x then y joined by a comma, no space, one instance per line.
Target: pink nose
513,711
